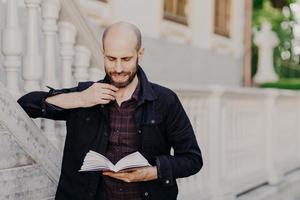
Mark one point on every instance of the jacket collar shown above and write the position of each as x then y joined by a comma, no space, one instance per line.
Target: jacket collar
146,91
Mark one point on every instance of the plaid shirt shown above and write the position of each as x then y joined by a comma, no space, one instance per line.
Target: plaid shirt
123,140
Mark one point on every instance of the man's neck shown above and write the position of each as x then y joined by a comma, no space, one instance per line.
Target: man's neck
123,94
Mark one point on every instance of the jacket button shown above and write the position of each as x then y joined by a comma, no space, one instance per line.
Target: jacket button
152,121
102,106
146,194
87,119
167,181
139,131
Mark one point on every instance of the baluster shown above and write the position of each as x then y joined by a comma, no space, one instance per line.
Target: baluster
50,14
67,36
32,71
95,74
12,48
32,66
82,63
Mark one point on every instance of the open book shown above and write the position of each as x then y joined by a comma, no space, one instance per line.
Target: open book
94,161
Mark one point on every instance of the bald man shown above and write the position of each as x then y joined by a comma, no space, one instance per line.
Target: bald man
118,115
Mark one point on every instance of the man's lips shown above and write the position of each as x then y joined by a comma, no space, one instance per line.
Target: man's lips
119,76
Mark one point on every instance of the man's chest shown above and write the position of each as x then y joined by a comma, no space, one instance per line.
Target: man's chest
123,138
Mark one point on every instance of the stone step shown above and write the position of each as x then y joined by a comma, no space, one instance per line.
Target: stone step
25,183
11,154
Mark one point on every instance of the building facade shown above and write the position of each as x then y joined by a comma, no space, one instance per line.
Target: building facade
209,36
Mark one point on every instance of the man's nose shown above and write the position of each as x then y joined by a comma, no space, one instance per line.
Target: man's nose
119,66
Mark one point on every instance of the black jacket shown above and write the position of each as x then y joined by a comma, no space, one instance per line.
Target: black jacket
161,121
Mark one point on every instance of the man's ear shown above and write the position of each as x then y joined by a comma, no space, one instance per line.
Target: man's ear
141,53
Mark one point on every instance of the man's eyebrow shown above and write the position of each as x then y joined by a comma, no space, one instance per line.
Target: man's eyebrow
110,56
121,57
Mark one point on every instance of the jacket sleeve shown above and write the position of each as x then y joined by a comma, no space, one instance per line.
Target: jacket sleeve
35,105
187,159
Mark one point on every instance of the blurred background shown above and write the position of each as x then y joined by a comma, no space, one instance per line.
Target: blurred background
235,65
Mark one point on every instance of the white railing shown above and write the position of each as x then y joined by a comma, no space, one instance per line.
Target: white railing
57,49
248,137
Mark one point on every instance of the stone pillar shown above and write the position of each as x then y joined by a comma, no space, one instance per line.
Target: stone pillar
217,189
82,63
95,74
50,14
32,70
274,175
238,27
67,36
12,48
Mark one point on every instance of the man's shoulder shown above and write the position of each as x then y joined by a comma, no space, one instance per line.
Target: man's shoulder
161,89
164,93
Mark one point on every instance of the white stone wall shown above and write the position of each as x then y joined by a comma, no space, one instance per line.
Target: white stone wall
181,66
148,15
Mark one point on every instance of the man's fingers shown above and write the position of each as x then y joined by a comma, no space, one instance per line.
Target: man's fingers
116,176
107,97
127,177
109,86
109,92
103,101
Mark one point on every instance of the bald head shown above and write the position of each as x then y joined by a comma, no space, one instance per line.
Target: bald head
123,31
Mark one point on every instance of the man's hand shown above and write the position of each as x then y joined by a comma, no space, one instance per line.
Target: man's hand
98,93
135,175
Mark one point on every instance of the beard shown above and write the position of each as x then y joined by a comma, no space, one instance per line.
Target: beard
122,84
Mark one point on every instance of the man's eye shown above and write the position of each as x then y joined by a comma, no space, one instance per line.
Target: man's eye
127,59
111,59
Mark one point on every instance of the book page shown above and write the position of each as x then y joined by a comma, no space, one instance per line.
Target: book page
133,160
94,161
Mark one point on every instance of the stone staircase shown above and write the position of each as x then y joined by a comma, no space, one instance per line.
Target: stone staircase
29,164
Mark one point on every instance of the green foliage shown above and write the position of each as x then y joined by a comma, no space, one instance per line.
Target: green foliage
264,11
291,84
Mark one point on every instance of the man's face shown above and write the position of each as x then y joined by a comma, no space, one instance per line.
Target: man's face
120,62
121,73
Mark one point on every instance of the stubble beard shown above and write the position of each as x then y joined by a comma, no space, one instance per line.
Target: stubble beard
125,83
